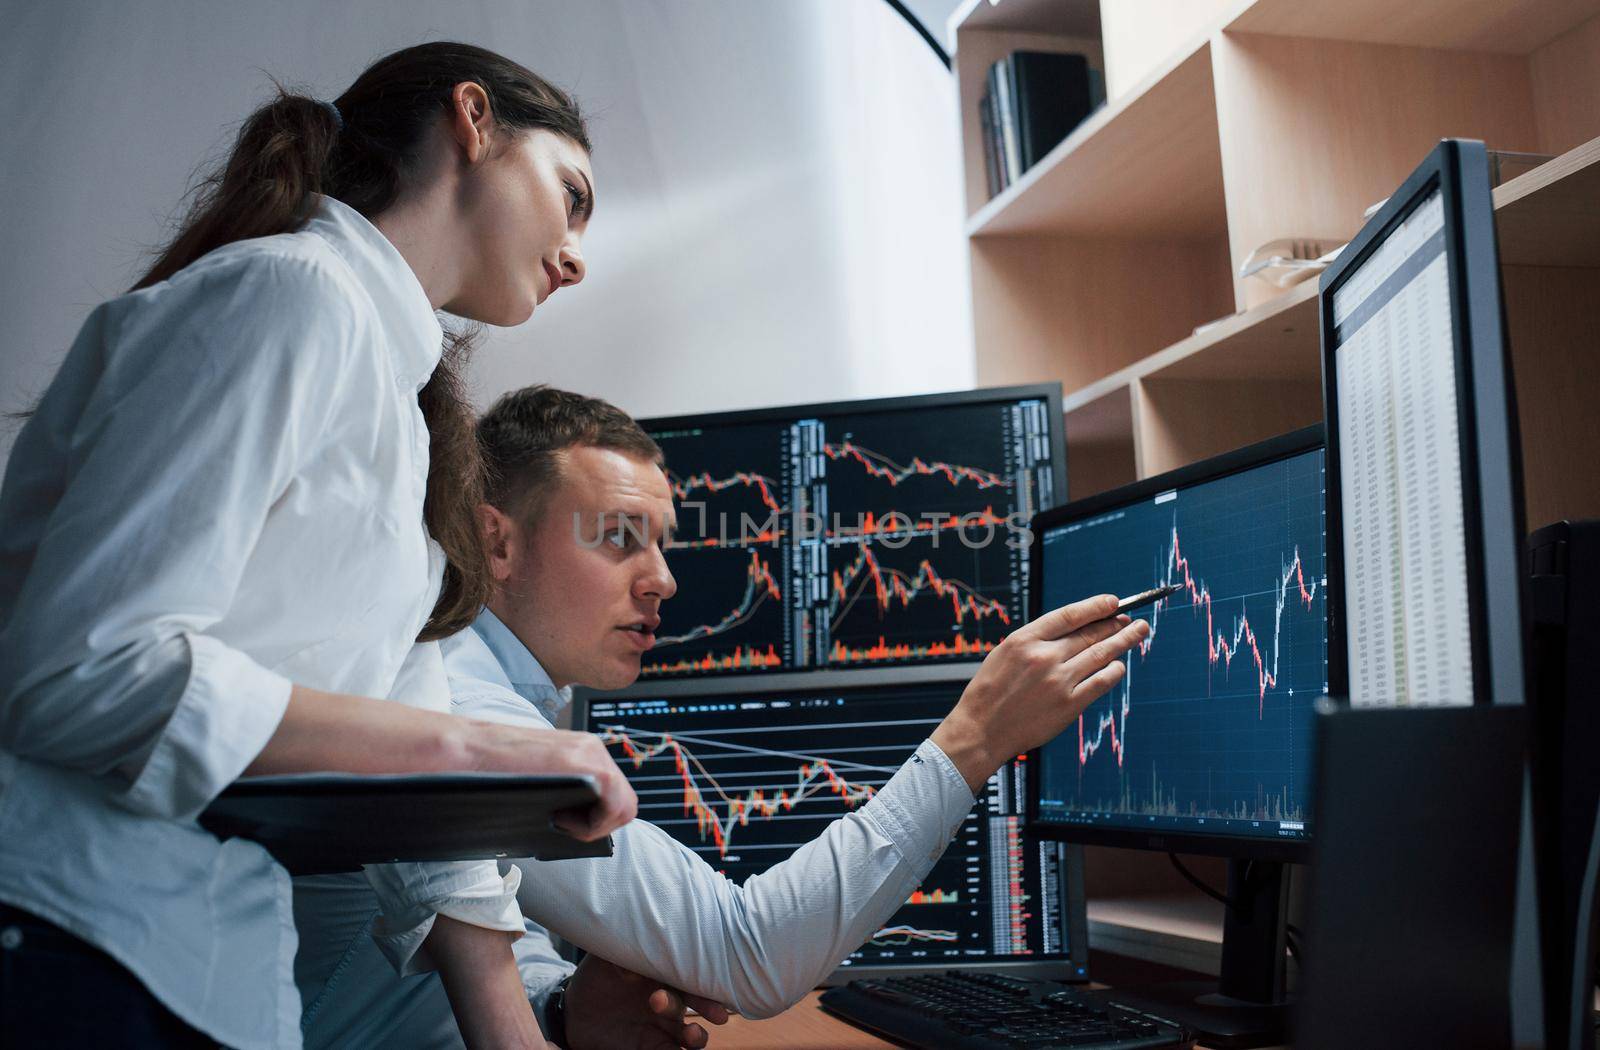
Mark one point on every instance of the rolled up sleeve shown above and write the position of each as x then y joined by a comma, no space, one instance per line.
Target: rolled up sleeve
658,908
410,896
209,740
181,419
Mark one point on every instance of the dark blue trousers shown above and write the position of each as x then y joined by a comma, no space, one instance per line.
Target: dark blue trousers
59,991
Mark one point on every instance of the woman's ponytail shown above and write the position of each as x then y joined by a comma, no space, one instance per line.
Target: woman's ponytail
268,185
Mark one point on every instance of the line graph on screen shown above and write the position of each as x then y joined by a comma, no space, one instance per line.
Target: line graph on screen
1220,648
718,809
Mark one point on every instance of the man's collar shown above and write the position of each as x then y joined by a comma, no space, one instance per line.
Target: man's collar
522,669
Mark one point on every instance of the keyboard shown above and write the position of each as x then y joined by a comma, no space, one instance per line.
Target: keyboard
981,1011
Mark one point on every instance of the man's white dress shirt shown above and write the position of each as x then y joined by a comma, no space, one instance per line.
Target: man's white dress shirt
655,906
219,496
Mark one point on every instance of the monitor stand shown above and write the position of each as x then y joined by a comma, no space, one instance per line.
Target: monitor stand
1246,1006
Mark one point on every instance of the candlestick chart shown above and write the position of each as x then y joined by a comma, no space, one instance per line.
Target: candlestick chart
744,779
920,601
931,467
727,484
728,614
1209,728
865,538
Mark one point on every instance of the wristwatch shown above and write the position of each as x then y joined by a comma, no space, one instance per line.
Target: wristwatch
555,1013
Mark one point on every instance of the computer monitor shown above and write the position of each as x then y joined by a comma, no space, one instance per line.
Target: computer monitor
746,777
1205,744
854,534
1424,475
1425,497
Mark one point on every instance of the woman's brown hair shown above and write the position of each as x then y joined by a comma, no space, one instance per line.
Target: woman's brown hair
293,149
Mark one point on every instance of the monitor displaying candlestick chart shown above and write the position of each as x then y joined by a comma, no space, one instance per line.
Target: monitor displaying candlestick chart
744,778
1207,736
854,534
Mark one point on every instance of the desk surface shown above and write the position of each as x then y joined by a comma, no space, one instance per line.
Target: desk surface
804,1026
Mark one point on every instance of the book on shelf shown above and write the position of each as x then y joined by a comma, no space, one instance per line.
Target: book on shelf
991,156
1007,148
1031,101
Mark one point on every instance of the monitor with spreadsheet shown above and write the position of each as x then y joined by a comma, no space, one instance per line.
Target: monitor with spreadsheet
1204,746
1424,479
853,534
745,777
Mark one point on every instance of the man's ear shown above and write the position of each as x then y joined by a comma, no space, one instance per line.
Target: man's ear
502,541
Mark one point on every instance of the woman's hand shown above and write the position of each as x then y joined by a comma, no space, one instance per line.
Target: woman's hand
1035,683
332,732
516,749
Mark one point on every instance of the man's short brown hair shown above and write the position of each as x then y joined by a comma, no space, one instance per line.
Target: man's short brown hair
523,435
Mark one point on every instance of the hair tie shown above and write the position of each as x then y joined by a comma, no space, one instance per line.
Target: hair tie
333,111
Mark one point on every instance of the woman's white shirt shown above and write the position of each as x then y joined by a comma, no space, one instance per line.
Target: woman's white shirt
219,495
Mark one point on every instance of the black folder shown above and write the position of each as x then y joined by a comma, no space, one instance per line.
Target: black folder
1052,96
317,823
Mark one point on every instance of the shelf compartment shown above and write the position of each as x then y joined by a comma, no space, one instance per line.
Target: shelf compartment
980,49
1052,308
1278,340
1181,421
1100,454
1312,133
1243,379
1146,165
1550,216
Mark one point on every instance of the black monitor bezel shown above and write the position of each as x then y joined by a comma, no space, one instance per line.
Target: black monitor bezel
1491,464
1049,392
1298,442
1072,966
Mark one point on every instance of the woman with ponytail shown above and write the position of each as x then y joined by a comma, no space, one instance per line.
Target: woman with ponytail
232,532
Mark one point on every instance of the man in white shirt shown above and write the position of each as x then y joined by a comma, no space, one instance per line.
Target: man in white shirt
578,514
577,517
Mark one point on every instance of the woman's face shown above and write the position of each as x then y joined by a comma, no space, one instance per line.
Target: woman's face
526,208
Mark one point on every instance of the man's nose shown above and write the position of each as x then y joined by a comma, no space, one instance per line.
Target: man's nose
658,582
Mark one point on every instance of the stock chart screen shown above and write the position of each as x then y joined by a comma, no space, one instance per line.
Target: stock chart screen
1209,732
744,780
840,538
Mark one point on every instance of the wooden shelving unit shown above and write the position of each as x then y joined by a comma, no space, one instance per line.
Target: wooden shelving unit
1086,187
1110,266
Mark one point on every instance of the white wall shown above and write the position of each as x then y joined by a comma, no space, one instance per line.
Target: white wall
779,198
